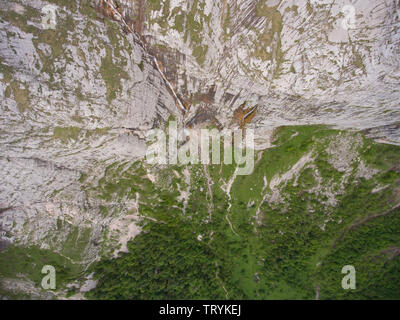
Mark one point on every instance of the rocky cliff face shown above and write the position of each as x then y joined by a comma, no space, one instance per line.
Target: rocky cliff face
71,100
300,62
77,101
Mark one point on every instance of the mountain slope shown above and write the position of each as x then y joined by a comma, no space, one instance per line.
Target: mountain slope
78,101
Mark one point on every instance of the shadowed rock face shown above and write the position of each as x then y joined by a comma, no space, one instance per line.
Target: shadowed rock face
300,61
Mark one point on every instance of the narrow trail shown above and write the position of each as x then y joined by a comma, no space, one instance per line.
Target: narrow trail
228,193
230,224
180,105
210,193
